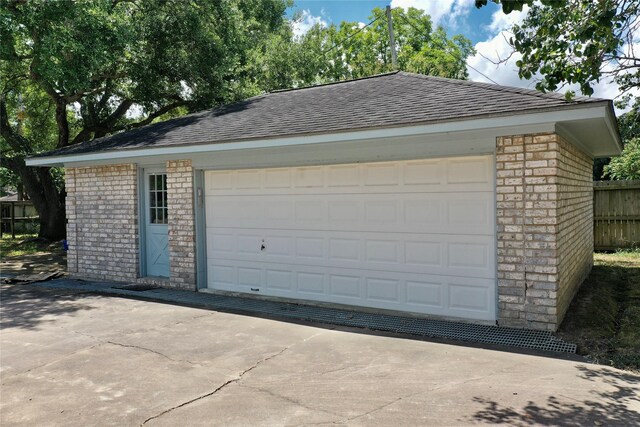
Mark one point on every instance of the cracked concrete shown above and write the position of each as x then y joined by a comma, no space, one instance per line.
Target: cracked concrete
77,359
226,383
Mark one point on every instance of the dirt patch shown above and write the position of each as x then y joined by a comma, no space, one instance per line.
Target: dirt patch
604,318
41,262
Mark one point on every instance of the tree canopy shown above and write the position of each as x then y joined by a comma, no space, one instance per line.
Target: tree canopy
577,42
352,50
73,71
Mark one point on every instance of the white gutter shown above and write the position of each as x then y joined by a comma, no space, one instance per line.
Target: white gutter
582,113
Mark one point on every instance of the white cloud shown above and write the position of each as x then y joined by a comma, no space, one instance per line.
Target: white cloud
501,21
305,22
490,53
441,11
486,65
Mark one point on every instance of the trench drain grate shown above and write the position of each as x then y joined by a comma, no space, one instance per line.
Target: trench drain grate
431,328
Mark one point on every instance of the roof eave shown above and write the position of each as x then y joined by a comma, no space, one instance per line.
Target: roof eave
602,110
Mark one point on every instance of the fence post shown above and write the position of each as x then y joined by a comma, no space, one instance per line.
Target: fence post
13,220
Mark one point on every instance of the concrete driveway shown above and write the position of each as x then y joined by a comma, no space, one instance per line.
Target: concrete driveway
78,359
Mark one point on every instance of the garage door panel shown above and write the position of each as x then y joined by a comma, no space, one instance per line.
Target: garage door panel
468,298
456,213
439,295
422,254
279,279
421,294
384,251
416,235
384,290
472,173
469,170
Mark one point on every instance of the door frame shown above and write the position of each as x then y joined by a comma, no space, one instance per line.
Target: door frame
143,214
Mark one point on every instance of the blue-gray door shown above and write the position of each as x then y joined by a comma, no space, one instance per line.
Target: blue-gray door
156,230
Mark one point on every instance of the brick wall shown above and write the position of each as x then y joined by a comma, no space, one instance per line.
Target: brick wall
182,244
102,227
575,221
544,228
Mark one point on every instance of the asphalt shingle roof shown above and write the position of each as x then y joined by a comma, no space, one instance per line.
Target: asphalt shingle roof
385,100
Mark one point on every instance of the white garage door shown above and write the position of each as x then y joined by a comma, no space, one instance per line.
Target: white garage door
414,236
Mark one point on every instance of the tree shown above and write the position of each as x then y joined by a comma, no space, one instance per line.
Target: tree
629,125
349,50
577,42
627,165
73,71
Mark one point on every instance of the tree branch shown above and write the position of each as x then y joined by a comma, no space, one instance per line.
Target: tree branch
120,111
16,141
155,115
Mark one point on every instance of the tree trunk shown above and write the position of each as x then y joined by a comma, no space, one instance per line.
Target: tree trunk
53,225
42,191
38,183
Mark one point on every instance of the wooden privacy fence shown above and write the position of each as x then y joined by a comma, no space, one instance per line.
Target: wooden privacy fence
616,215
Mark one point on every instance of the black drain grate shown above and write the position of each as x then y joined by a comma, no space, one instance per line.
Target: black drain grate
432,328
136,288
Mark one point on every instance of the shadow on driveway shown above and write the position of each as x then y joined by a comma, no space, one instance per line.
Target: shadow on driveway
27,308
607,408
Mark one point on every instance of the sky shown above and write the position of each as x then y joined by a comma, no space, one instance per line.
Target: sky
488,29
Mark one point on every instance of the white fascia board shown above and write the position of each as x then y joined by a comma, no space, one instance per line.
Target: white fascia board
547,117
612,125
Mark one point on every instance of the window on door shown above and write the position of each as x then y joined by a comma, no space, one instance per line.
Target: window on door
158,211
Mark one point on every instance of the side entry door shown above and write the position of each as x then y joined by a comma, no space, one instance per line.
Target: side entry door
156,229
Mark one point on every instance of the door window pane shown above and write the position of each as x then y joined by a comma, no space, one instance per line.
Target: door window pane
158,211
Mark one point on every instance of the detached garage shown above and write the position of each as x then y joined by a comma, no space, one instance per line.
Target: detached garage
401,192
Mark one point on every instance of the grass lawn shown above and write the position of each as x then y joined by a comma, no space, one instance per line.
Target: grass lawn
25,244
604,318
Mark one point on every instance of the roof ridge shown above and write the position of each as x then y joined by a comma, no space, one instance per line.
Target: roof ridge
390,73
503,88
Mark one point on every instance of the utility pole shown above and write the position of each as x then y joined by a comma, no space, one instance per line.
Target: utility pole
392,40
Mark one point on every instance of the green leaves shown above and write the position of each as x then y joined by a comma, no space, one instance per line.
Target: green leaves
347,51
100,59
627,165
578,41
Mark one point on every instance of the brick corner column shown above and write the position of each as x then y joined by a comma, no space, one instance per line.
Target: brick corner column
72,220
527,230
182,242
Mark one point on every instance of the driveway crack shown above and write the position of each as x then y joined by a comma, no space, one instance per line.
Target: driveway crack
147,349
376,409
211,393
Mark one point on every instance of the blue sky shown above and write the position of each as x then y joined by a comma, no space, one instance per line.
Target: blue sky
488,29
474,27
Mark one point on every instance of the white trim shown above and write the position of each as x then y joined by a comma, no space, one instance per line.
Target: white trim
612,124
582,113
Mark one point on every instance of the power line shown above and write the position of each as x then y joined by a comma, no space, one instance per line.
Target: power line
352,35
450,53
482,74
414,27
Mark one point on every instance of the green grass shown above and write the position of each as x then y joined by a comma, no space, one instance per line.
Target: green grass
22,245
604,318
